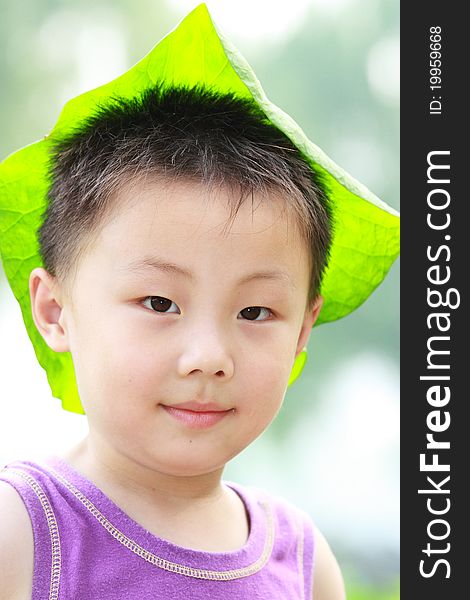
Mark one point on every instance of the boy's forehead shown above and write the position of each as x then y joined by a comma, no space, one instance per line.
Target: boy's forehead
189,211
184,222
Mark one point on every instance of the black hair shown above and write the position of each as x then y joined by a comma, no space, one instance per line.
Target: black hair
176,133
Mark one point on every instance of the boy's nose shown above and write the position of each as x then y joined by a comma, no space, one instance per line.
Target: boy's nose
207,355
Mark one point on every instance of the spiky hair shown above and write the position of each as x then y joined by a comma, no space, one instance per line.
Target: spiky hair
176,133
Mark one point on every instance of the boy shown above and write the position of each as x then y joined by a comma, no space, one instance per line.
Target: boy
184,246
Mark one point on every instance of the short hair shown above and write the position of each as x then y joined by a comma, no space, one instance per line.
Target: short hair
179,133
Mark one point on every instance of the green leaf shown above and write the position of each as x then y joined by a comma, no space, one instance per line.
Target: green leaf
366,230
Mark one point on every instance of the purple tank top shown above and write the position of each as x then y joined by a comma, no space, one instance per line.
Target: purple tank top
86,547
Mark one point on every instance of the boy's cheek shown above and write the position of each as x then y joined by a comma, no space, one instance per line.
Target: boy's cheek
118,370
272,364
262,390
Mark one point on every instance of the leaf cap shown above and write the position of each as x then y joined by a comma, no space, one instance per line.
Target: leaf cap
366,230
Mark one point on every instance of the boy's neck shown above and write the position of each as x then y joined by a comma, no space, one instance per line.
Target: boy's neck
113,472
198,512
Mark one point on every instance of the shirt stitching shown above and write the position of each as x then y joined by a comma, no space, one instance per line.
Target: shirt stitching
168,565
53,530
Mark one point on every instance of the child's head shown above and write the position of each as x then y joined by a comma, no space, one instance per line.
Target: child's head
105,161
180,134
185,242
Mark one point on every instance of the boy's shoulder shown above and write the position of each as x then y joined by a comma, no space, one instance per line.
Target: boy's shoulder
283,510
328,582
16,546
327,579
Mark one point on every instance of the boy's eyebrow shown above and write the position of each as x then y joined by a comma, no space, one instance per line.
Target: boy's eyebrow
156,264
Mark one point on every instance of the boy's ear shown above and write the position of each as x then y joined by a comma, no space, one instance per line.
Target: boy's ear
311,315
47,309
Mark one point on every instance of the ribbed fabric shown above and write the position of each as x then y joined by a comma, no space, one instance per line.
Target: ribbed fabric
86,547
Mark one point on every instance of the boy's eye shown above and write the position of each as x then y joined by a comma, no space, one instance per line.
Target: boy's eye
163,305
253,312
160,304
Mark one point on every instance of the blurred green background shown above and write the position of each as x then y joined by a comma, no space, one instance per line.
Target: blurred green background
333,66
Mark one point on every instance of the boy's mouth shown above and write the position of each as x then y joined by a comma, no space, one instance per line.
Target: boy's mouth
198,415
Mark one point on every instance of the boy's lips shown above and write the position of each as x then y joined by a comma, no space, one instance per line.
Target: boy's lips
198,415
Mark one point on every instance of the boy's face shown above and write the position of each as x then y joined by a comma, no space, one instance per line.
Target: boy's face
144,338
